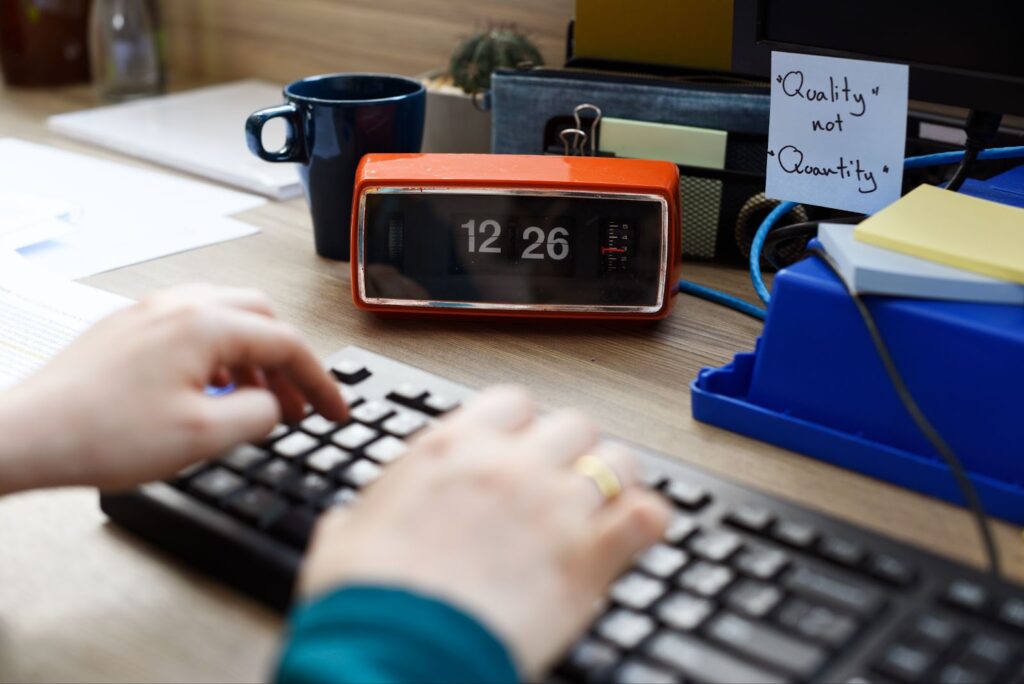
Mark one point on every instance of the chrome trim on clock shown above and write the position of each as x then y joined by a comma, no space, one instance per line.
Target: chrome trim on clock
496,306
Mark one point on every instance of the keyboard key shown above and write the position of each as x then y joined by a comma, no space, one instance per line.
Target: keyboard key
404,424
216,484
295,444
279,431
933,632
766,644
842,551
439,404
796,534
684,611
750,518
354,436
625,628
350,396
386,449
590,658
854,597
753,598
715,545
275,473
955,673
905,663
661,560
706,579
701,662
967,595
295,527
350,372
408,392
686,495
326,458
372,411
318,425
343,497
679,528
988,652
362,473
637,591
636,671
1011,613
891,569
817,622
244,457
760,562
258,505
309,488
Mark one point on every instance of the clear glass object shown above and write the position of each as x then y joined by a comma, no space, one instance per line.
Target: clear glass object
125,49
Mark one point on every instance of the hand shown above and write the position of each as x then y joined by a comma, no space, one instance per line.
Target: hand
125,403
486,511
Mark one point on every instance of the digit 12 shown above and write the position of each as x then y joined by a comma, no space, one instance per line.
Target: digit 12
487,225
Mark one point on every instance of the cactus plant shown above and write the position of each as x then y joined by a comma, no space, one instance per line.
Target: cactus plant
476,58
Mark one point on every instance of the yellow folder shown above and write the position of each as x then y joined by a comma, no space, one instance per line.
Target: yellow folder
953,229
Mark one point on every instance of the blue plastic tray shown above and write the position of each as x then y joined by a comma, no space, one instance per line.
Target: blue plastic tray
815,385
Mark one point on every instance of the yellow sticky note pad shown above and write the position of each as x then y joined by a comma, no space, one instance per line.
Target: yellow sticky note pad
953,229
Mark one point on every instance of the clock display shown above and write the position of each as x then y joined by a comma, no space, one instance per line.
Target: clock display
477,247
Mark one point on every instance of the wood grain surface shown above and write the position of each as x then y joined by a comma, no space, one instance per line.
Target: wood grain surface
283,40
81,601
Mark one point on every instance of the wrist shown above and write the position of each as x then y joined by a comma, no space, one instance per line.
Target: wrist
36,455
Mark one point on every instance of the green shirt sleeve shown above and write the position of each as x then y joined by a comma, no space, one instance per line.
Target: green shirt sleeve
363,634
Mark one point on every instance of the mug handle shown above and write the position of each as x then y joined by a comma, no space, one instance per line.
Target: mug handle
293,150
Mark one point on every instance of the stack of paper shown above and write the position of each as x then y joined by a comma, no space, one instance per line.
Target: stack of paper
114,215
935,244
40,314
199,131
873,270
952,228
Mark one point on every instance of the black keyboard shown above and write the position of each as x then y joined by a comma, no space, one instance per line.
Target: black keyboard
745,587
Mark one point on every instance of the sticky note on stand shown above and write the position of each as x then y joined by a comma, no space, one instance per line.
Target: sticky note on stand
837,131
953,229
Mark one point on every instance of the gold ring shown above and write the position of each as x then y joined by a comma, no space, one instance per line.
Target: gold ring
600,473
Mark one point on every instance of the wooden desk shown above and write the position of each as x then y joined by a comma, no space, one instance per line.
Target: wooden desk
81,601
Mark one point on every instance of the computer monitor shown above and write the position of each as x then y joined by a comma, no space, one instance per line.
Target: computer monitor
965,54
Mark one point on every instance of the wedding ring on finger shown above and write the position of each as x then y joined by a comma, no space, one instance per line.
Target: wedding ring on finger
600,473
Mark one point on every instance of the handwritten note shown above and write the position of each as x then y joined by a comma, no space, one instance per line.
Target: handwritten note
837,132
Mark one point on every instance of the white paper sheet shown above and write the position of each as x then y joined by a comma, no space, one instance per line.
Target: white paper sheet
28,219
837,132
124,214
40,314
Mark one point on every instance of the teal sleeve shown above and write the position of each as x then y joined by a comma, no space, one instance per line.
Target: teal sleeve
363,634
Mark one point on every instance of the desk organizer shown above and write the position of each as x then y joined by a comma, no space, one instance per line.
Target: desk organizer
815,384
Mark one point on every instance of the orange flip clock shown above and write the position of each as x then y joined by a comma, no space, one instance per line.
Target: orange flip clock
509,235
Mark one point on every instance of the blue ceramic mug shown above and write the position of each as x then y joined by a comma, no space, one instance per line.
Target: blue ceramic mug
332,121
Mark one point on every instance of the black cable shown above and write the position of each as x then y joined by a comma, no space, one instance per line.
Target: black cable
797,231
923,424
981,128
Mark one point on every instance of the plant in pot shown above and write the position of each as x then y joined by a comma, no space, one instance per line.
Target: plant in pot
454,121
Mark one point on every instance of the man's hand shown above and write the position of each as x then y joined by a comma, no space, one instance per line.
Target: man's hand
126,402
487,512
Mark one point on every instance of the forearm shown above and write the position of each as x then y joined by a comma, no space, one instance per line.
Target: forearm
368,634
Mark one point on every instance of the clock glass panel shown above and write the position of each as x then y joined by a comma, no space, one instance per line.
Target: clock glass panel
552,250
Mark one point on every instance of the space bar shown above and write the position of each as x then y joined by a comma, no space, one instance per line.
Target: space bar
701,662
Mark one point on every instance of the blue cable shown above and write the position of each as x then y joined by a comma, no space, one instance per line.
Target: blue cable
717,297
943,158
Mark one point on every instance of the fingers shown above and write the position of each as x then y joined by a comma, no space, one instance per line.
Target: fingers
243,298
623,528
245,415
618,459
242,339
505,408
560,437
293,404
